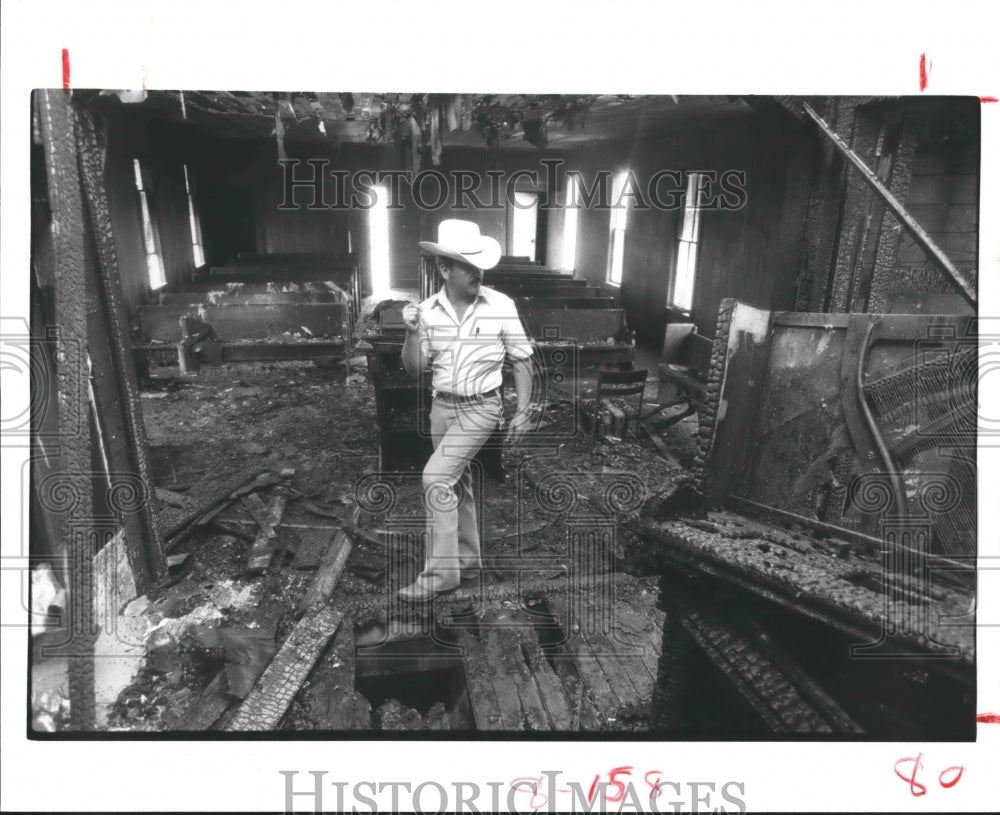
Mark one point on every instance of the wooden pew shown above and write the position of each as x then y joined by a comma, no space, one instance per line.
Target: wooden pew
517,279
525,304
528,273
292,267
588,337
540,289
239,298
239,328
246,322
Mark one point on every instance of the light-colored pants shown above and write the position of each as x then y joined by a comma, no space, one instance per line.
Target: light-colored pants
457,432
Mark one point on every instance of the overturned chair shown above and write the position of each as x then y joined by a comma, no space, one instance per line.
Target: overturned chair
616,384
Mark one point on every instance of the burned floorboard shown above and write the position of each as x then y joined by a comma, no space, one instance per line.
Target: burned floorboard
264,708
615,651
511,684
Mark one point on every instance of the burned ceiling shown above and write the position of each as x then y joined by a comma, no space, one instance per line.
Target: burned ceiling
497,121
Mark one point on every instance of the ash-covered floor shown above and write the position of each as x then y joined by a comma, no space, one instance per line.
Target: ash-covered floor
209,632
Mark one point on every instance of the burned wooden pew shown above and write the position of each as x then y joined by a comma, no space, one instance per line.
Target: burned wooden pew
529,304
492,276
283,268
240,298
249,332
517,286
834,491
580,338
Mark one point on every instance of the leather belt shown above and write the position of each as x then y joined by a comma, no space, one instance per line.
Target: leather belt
455,399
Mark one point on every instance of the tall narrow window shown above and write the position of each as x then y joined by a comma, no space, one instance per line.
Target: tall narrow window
524,224
682,290
572,214
378,230
196,245
154,263
619,214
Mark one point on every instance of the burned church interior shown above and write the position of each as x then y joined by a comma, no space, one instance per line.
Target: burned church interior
746,507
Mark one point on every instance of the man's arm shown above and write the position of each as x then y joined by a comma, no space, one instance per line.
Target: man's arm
520,423
413,360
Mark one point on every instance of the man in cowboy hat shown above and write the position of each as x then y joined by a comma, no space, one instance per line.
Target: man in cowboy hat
465,332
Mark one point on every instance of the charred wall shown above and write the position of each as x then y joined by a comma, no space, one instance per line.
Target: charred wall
859,257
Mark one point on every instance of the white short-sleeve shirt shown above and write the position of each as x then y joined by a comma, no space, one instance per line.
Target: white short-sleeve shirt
467,355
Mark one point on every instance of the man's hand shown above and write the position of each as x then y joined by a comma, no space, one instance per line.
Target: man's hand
411,317
519,426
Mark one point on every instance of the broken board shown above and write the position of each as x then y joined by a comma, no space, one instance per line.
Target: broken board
267,703
511,685
616,653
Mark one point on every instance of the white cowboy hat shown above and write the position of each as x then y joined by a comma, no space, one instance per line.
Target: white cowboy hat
460,240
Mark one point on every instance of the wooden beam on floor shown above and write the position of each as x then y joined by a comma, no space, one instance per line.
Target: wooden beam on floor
328,574
207,495
263,548
267,704
511,684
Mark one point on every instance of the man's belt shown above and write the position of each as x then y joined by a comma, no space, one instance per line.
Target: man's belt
455,399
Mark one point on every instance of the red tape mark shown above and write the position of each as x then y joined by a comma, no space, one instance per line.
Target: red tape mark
988,99
988,718
65,66
923,72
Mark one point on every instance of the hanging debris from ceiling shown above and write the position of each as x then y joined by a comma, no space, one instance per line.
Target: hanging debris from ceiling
279,130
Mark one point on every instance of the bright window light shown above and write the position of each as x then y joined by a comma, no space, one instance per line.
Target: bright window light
154,263
196,244
682,290
525,224
378,230
619,215
570,223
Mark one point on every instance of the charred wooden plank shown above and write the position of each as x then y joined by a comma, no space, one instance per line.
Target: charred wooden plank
558,707
508,641
262,550
330,570
259,557
495,704
173,520
256,507
264,708
175,499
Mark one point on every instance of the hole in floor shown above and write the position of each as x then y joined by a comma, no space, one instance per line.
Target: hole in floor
413,681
